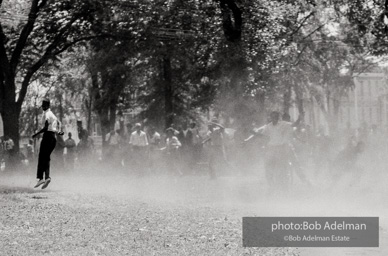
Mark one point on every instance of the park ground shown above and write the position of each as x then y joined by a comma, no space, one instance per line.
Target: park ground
117,214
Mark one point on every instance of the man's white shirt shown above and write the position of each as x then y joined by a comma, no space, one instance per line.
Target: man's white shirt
154,138
53,122
138,139
279,134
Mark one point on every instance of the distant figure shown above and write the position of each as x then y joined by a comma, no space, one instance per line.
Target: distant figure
71,148
154,140
47,144
215,137
185,138
85,147
128,132
9,156
113,140
279,134
183,135
30,151
293,158
346,161
172,150
139,143
58,153
195,145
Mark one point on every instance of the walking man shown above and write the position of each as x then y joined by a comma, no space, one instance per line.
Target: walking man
47,144
279,135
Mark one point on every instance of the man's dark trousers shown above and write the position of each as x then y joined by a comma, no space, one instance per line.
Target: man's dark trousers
46,147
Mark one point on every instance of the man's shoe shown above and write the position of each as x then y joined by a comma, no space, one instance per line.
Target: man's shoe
40,182
46,183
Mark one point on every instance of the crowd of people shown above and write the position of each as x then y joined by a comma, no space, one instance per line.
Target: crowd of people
288,150
145,150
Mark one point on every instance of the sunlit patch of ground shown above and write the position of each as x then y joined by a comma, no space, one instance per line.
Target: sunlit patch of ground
108,213
118,216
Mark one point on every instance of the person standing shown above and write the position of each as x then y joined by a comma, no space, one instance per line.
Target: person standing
85,149
195,145
217,157
279,134
30,151
47,144
154,140
173,153
70,148
113,140
139,143
9,153
185,137
58,154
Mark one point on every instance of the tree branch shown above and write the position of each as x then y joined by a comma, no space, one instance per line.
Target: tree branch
7,84
46,56
4,61
302,23
86,38
298,58
26,31
312,32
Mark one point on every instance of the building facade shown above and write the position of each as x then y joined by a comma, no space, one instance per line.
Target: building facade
365,104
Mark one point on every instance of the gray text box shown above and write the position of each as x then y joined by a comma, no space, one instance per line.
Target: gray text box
311,232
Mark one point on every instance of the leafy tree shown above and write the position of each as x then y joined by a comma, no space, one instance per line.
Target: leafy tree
48,28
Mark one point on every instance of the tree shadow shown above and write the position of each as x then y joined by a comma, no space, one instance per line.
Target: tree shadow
20,190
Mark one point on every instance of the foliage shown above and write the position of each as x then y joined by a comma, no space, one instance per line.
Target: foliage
173,59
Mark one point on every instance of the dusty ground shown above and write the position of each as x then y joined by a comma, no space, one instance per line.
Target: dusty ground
104,214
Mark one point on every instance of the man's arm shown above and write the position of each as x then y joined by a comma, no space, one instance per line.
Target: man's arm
206,140
46,124
256,132
60,132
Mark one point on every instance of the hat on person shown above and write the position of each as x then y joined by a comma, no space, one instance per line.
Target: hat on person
45,100
137,125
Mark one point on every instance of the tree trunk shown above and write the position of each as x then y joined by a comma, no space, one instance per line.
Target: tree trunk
260,98
11,123
168,91
89,105
112,115
300,104
287,100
